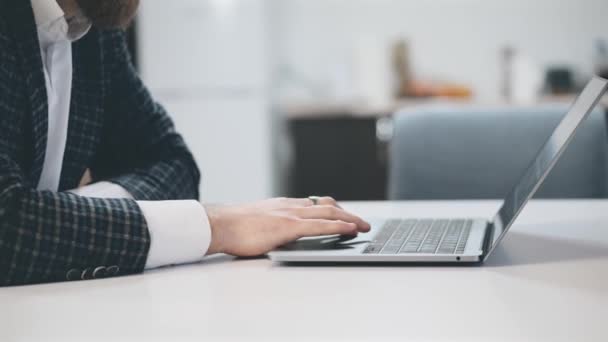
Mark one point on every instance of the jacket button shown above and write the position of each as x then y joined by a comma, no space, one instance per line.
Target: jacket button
113,270
73,274
100,272
87,274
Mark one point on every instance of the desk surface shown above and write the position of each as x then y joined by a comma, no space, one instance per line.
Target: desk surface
547,282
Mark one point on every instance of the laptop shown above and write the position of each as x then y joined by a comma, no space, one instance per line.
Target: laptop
458,240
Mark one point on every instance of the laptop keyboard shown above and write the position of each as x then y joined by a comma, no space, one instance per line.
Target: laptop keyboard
426,236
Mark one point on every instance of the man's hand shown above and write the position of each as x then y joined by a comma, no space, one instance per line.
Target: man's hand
258,228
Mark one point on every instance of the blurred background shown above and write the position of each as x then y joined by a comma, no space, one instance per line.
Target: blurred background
298,97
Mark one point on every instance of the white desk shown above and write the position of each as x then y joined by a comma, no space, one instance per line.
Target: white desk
547,282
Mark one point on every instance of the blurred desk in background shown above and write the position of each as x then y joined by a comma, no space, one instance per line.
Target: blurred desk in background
341,149
333,109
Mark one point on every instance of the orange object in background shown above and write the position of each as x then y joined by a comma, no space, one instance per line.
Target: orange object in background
408,86
454,91
424,89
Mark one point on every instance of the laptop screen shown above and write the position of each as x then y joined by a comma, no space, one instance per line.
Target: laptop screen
546,159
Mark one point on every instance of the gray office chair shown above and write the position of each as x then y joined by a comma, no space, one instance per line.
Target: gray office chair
472,153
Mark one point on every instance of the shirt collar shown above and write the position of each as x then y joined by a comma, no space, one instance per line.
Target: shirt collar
53,26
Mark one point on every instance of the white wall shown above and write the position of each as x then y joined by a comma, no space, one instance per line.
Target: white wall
206,62
206,45
456,40
230,140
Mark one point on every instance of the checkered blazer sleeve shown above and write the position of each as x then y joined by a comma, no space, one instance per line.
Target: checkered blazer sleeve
52,236
140,149
48,236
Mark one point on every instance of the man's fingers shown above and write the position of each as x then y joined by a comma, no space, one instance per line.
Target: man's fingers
319,227
308,202
298,202
331,213
328,201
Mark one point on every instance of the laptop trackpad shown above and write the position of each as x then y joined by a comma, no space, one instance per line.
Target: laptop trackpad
333,242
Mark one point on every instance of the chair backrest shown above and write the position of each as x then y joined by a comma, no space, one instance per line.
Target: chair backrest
473,153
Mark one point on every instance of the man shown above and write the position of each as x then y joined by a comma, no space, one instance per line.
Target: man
71,104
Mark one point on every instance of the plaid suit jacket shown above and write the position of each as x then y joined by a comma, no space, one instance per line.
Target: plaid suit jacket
115,129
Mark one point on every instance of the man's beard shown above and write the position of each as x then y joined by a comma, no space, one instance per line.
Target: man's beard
109,13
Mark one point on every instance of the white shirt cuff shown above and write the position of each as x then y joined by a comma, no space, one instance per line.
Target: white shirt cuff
179,231
102,190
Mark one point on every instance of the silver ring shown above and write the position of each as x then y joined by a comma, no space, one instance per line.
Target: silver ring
314,199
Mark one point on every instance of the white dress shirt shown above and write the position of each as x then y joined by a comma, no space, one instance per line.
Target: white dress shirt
179,230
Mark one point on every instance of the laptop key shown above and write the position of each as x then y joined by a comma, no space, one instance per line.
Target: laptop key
421,236
429,246
386,232
390,250
398,238
464,237
372,249
382,237
452,236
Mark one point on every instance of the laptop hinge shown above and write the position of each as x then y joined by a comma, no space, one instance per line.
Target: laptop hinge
487,241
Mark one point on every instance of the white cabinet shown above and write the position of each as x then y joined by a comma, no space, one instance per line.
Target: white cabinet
206,62
230,141
203,44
